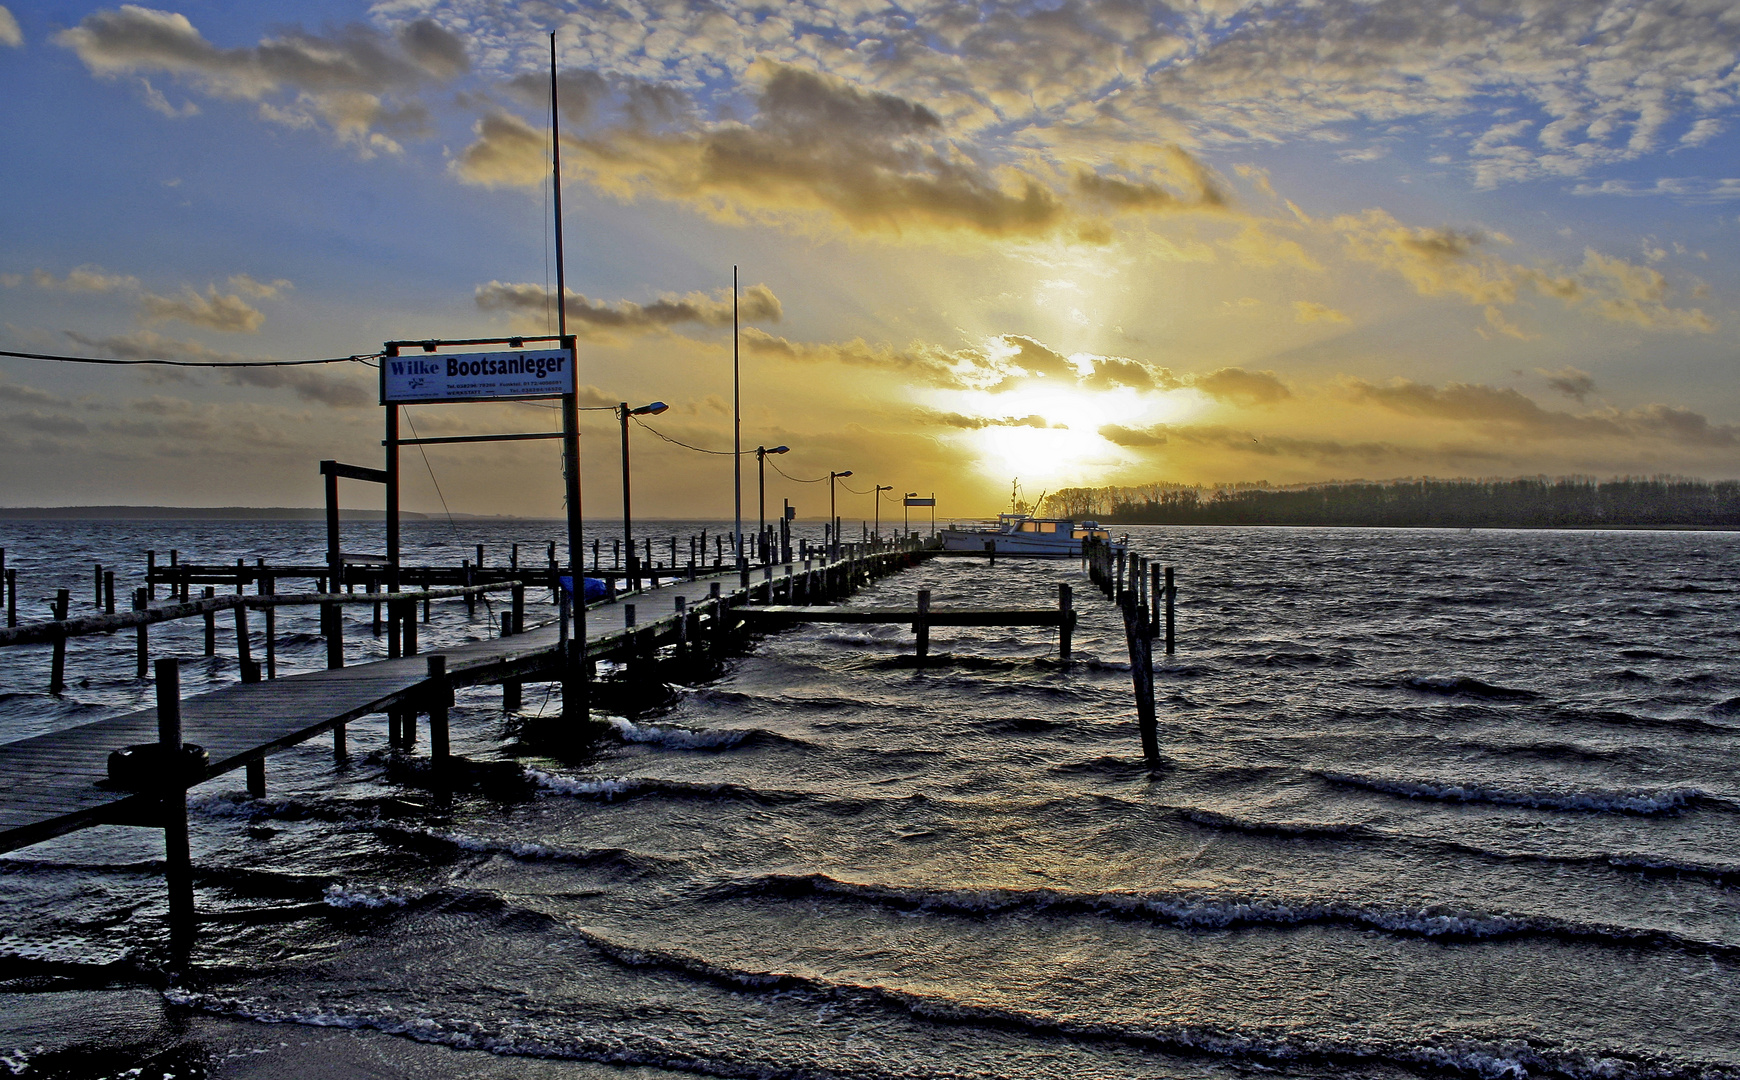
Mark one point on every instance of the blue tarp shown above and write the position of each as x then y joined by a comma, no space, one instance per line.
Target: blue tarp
596,589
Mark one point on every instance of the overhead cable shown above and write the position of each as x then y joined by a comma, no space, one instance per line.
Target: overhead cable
362,358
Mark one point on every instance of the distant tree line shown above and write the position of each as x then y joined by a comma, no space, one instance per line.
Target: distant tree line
1535,502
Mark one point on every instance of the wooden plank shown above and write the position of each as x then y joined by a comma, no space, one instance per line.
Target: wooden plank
935,616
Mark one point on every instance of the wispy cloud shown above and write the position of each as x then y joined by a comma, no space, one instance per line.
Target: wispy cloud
756,304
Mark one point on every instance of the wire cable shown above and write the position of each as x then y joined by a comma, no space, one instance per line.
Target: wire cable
362,358
684,445
796,479
852,489
451,524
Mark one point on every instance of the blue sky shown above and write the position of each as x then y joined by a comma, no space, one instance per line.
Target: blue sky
1079,244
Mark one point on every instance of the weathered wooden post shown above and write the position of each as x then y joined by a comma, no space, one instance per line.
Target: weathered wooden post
921,625
244,653
141,600
257,777
510,688
210,624
440,697
12,597
151,575
1066,623
408,634
682,627
1141,674
470,598
57,666
332,615
108,592
991,551
178,860
518,606
269,587
1171,592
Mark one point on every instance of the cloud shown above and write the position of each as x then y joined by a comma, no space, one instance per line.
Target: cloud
1309,311
1691,189
1508,414
28,395
756,304
1570,381
334,384
353,78
919,363
973,423
1462,262
213,310
1240,387
84,279
9,32
872,162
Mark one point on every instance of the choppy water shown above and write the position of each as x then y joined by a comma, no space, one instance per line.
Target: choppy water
1434,803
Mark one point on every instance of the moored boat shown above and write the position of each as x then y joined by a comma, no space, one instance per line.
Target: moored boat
1023,535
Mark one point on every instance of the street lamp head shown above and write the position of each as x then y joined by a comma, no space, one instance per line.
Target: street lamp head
848,472
910,495
649,410
780,450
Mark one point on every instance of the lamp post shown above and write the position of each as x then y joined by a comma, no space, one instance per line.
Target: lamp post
631,565
905,508
880,488
761,453
833,516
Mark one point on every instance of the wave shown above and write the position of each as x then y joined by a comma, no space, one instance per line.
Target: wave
1214,819
527,851
370,897
616,788
1462,686
1202,910
1642,801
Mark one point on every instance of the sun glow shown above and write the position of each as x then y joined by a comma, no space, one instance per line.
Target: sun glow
1047,432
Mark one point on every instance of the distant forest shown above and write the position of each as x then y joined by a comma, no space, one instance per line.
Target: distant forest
1539,502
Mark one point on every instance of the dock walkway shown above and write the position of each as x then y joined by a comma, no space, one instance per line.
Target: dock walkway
57,783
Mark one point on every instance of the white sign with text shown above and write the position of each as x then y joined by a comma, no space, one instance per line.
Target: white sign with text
492,376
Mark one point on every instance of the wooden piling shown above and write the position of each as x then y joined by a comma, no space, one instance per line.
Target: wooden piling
269,587
921,625
244,653
440,697
57,666
178,859
1141,674
1065,604
332,619
257,777
210,625
1171,592
141,600
12,597
510,688
151,575
108,592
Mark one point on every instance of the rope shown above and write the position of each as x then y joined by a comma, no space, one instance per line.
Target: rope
451,524
360,359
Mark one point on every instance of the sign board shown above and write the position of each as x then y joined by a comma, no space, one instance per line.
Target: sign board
921,502
491,376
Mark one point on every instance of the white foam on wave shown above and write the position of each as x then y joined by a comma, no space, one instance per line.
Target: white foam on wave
368,897
680,738
1635,801
519,849
609,787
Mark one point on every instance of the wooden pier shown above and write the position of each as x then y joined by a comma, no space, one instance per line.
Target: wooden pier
58,783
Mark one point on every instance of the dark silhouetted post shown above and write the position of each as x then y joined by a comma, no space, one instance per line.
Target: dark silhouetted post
921,626
1065,627
178,860
141,600
1171,592
57,666
440,697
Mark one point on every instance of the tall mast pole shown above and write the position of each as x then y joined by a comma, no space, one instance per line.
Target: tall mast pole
737,435
574,688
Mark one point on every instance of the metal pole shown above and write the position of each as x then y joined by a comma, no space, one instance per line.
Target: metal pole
761,487
392,493
737,436
627,528
832,519
574,704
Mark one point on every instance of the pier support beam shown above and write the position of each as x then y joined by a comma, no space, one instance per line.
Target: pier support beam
440,697
178,859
